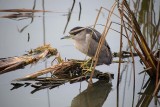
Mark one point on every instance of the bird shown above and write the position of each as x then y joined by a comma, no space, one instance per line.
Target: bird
86,40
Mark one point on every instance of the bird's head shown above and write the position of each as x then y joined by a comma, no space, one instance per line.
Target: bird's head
75,33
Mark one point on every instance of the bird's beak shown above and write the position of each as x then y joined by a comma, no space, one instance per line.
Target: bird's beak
67,37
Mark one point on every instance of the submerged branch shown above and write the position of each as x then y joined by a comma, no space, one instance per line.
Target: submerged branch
69,71
124,54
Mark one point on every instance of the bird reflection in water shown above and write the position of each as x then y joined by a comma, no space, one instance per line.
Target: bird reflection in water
94,96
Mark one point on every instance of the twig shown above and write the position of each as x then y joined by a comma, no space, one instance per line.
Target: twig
101,39
80,10
69,16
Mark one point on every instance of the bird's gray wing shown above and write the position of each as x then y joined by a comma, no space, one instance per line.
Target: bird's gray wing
96,36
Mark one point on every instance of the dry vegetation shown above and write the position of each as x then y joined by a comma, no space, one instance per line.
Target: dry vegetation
76,71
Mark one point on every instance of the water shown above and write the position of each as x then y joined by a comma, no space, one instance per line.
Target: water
13,43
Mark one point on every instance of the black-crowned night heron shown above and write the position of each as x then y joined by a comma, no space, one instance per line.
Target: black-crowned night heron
86,40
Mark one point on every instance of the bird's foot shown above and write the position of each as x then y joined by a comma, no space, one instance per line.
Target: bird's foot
87,63
87,70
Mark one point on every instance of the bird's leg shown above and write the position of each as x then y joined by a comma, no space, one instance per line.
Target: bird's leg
87,63
86,66
87,69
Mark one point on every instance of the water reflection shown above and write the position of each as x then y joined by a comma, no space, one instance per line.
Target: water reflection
93,96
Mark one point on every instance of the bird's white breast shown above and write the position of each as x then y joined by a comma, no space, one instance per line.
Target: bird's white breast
82,45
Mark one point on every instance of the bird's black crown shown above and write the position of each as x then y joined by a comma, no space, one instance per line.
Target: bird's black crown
76,30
